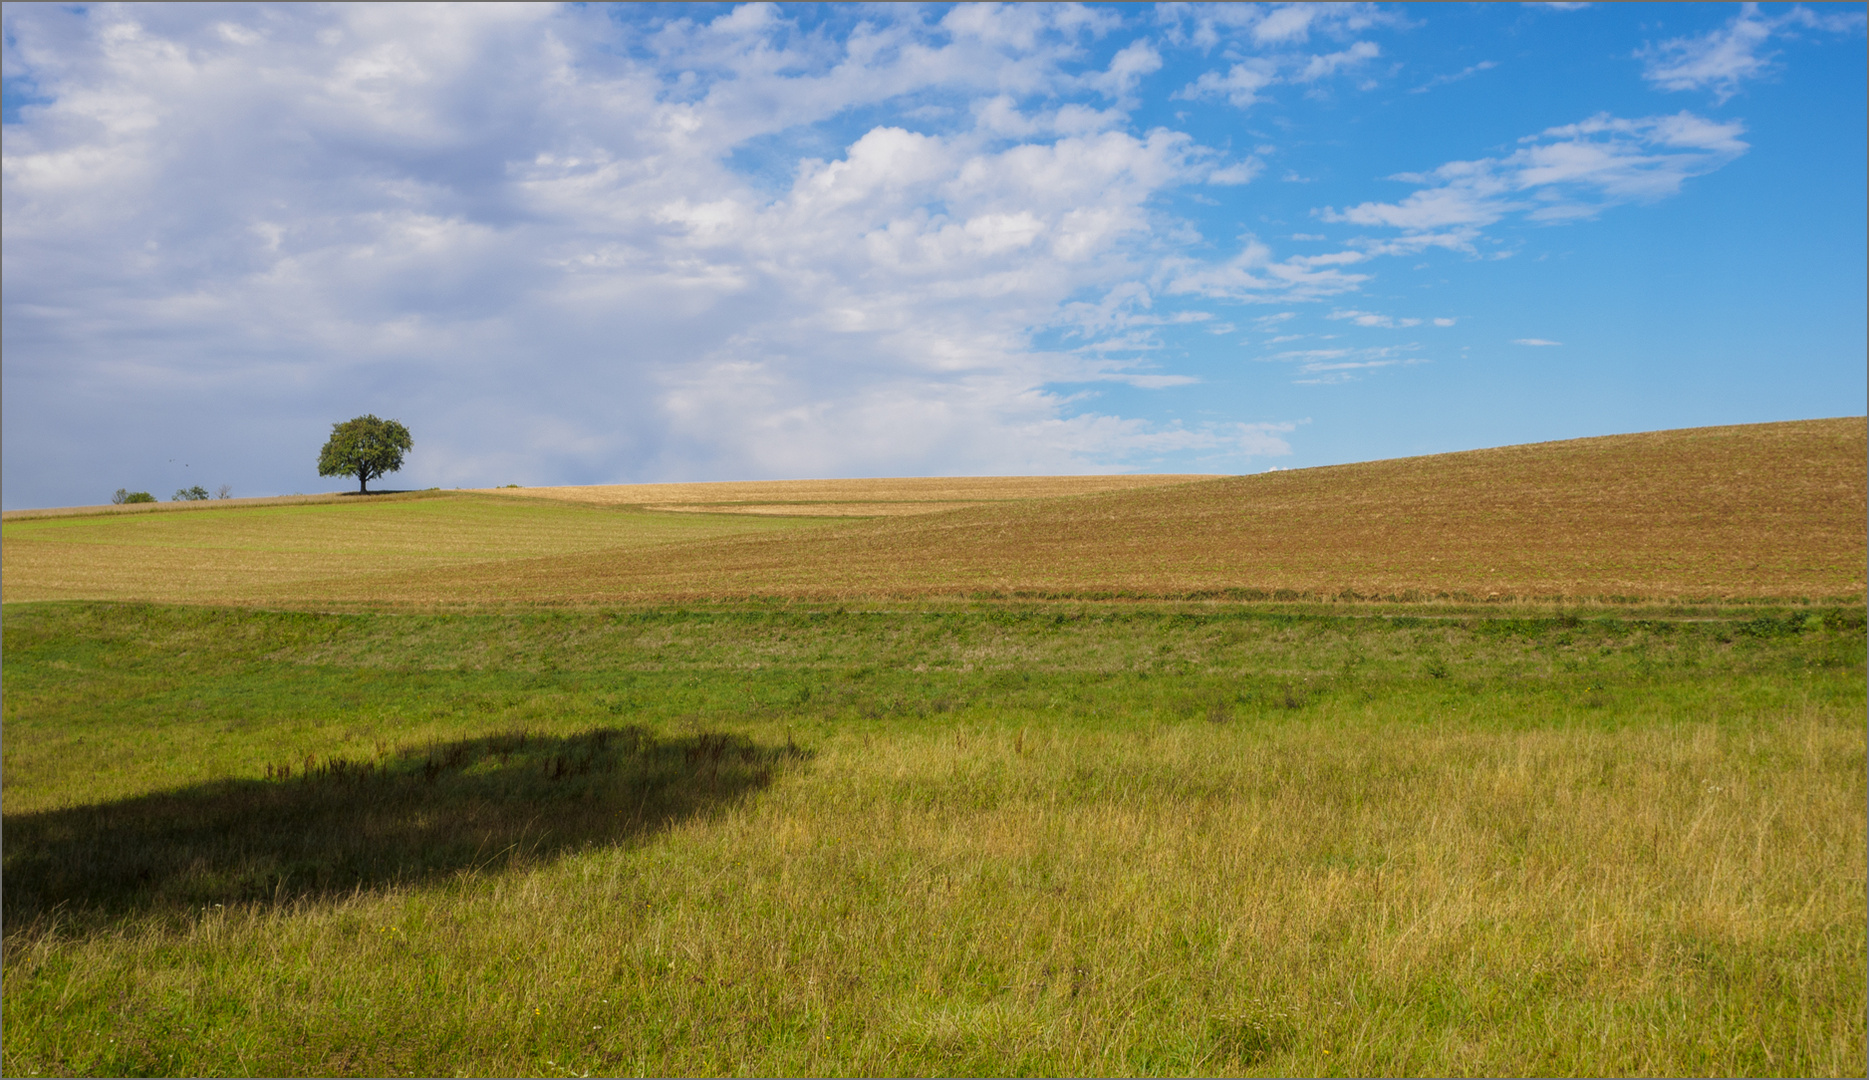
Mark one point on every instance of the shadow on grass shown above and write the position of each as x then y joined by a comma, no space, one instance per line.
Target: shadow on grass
321,827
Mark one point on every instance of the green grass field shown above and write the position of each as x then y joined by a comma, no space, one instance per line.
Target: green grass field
979,839
1538,760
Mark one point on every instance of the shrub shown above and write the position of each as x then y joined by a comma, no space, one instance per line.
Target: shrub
123,496
193,494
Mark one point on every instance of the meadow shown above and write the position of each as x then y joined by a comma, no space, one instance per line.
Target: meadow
933,827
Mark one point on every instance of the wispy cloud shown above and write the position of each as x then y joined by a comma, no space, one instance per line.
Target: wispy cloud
1340,365
1563,173
1721,60
1370,318
1463,73
1208,25
1273,35
1255,274
1534,341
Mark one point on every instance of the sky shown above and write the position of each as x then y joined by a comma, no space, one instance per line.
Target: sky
591,244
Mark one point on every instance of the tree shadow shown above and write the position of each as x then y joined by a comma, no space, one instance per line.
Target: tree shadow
319,828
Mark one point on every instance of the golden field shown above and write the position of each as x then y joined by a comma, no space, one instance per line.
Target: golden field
845,498
1757,512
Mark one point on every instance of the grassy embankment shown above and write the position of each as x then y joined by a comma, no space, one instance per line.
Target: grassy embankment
968,838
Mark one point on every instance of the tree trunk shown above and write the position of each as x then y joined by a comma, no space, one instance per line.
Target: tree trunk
363,481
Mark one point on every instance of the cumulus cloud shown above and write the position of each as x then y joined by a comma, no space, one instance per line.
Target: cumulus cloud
579,245
1239,85
1720,60
531,233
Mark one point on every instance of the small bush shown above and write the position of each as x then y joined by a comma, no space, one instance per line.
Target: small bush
122,496
1766,626
193,494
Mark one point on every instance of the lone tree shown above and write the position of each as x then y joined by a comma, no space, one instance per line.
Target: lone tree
364,448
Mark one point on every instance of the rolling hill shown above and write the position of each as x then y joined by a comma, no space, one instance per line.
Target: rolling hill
1754,512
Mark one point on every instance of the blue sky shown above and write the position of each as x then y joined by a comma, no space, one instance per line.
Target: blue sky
598,245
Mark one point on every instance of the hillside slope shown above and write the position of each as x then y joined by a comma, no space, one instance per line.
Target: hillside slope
1765,511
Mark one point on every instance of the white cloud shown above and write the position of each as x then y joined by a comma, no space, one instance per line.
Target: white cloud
1370,318
1238,173
1463,73
1341,365
1127,69
1326,65
1243,84
1239,85
1265,25
1265,44
1534,341
1563,173
521,231
1720,60
1256,275
1444,322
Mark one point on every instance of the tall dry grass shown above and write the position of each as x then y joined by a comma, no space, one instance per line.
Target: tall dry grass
1064,841
1341,895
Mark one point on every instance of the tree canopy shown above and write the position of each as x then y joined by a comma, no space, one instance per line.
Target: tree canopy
364,448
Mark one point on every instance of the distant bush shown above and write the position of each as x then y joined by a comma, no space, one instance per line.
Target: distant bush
123,496
193,494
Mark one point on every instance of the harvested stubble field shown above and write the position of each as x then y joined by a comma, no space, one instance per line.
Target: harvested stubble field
947,836
848,498
1761,512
